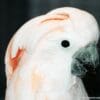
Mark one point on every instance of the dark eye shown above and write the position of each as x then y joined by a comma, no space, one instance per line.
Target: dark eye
65,43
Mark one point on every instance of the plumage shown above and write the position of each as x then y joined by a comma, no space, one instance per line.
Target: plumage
41,65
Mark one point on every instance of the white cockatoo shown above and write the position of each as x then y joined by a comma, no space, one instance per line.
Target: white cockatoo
47,56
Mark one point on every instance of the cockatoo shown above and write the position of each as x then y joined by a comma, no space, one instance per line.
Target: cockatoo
47,56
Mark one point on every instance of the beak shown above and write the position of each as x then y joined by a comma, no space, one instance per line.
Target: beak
85,60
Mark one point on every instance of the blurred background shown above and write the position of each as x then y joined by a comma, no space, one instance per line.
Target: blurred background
14,13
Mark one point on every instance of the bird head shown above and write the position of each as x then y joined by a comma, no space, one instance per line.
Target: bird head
56,45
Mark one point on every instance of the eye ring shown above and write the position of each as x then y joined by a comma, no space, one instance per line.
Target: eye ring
65,43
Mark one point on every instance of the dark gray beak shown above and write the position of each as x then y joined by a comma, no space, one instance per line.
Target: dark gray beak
85,60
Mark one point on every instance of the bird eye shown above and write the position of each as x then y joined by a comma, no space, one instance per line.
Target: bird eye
65,43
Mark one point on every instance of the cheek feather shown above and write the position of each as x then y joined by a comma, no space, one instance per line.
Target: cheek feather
46,98
17,83
37,80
